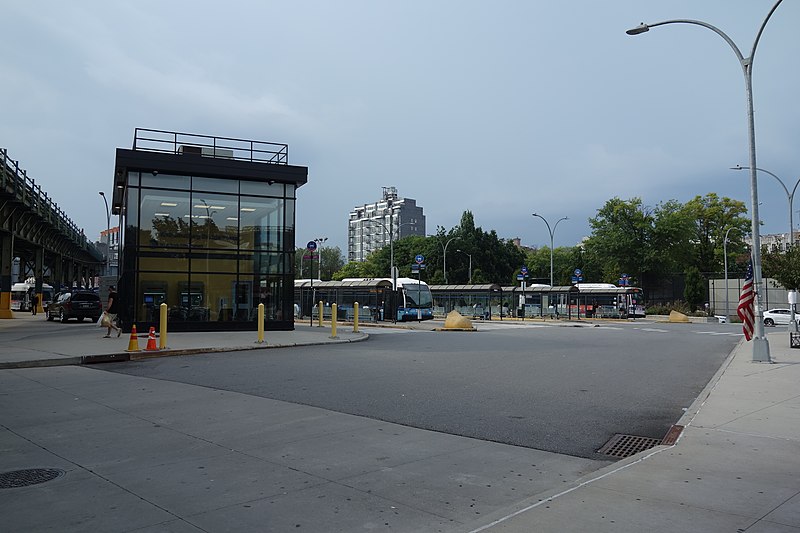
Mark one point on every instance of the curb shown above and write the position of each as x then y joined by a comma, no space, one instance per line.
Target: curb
122,357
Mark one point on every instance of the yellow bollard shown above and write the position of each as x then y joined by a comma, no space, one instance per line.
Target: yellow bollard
355,317
333,321
260,323
320,309
162,327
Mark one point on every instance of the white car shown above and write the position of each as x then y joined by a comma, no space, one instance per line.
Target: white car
777,316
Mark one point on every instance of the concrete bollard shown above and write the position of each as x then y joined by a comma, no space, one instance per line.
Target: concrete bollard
260,323
333,321
320,309
355,317
162,327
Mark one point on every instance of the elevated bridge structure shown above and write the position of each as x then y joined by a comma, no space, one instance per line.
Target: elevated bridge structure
48,245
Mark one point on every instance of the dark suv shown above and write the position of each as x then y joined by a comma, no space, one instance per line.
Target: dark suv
75,304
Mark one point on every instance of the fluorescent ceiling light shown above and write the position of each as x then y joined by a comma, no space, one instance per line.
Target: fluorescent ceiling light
233,219
161,214
169,204
247,209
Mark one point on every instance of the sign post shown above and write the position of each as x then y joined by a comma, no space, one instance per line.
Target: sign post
523,276
420,260
311,246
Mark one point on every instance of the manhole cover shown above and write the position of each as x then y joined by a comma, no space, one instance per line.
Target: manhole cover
626,445
24,478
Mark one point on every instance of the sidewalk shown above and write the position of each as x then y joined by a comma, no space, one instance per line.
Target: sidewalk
20,351
735,468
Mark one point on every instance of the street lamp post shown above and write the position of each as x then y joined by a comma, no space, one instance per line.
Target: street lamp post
444,255
470,264
760,343
789,195
552,232
725,253
108,235
391,256
319,241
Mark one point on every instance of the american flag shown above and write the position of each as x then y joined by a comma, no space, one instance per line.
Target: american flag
746,309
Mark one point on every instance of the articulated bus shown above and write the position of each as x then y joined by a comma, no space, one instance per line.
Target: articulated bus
376,297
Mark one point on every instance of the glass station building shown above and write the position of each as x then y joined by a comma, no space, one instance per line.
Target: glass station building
208,228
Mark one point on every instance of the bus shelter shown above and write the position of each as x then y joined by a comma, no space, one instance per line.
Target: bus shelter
476,301
611,302
373,297
576,301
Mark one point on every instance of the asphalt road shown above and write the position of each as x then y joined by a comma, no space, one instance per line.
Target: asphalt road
560,389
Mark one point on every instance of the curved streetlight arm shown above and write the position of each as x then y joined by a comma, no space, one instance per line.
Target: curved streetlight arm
470,263
642,28
444,254
556,225
547,224
108,235
785,188
789,195
552,232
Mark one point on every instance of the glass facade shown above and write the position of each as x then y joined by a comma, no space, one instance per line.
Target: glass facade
211,248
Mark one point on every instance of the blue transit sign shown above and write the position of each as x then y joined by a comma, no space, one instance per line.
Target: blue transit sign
524,270
420,259
578,272
311,245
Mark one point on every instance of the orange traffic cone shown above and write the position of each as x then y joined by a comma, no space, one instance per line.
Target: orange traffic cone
151,340
133,343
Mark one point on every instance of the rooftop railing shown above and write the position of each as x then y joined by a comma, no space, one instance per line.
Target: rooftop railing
172,142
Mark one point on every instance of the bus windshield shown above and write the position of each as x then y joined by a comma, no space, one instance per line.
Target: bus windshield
418,295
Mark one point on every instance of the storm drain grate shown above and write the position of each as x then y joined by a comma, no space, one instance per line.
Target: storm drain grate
626,445
31,476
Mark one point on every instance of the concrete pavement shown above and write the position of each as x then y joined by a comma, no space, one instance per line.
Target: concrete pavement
736,466
137,454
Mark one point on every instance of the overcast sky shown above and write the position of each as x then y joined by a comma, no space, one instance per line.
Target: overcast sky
501,108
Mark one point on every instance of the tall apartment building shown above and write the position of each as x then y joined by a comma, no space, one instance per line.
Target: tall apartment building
371,225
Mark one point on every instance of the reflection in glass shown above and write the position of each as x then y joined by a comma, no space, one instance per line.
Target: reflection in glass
215,221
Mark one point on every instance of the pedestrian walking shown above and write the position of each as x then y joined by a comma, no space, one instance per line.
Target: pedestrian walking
35,304
111,312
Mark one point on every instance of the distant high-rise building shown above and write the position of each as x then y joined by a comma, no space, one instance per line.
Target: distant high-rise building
370,225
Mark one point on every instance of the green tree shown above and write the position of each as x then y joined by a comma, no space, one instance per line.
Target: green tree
565,260
332,261
622,239
784,267
711,217
353,269
694,291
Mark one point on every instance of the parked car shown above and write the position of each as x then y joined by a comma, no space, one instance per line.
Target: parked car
777,316
78,304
